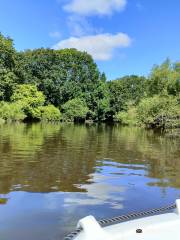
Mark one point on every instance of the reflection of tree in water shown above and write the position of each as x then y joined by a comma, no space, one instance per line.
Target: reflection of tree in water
44,158
19,144
159,153
3,199
45,162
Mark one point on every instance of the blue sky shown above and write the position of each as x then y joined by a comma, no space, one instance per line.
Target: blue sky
124,36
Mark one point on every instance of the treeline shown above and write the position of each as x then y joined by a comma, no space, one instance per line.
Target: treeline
153,101
53,85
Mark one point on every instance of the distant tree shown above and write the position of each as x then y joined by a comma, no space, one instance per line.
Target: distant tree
103,77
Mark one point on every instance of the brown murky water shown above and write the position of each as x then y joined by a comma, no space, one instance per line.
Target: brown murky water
51,175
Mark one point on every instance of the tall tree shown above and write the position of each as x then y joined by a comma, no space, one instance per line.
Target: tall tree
8,78
125,91
63,75
164,79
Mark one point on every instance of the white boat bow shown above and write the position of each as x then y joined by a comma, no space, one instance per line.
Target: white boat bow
165,226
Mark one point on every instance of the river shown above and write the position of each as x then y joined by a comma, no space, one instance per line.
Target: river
51,175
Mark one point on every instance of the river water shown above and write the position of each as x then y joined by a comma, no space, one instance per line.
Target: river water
51,175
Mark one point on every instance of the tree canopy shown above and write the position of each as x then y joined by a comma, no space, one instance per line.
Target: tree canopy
47,84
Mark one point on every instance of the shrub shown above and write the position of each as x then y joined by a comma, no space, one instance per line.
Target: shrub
30,99
11,112
50,113
75,110
159,111
127,118
2,121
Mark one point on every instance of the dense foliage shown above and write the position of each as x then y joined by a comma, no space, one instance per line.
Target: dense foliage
75,110
11,112
50,113
126,91
30,99
8,78
153,102
52,85
159,111
64,75
128,117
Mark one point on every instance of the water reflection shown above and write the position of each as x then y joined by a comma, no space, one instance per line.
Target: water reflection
102,191
3,200
51,175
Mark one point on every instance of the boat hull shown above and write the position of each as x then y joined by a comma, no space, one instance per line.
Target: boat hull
159,227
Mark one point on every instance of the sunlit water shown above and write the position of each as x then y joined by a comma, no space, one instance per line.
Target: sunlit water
52,175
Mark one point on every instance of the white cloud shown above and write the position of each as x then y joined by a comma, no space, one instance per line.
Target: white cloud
100,46
94,7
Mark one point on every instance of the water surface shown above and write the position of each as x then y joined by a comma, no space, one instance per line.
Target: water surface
51,175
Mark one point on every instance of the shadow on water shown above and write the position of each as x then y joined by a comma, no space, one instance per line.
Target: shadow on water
53,174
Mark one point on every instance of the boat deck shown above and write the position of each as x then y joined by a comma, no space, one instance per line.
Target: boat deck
159,227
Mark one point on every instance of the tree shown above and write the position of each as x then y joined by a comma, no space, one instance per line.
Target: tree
50,113
66,74
164,79
11,112
174,88
30,99
75,110
126,91
8,82
8,78
159,111
7,53
128,117
60,74
98,102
